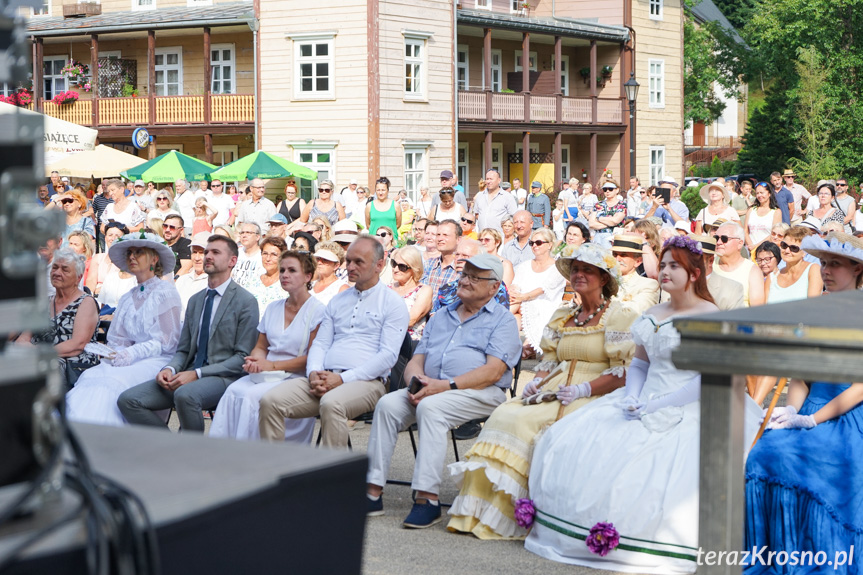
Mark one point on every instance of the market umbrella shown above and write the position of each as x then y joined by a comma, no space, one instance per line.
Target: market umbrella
262,165
169,167
103,162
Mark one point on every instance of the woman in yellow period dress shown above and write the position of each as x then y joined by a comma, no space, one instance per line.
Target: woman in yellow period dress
585,352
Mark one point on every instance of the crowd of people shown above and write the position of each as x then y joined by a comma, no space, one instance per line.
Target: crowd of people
272,314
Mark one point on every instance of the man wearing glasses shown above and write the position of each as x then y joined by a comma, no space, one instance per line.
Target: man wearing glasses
173,229
249,264
257,209
222,202
845,203
732,264
799,192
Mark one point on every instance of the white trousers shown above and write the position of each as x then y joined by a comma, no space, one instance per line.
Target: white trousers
435,416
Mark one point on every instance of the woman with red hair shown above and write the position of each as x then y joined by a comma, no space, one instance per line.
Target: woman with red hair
614,485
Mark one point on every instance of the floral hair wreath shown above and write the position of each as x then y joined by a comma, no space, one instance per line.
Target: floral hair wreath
684,242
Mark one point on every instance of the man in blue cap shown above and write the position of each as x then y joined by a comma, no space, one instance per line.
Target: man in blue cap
539,206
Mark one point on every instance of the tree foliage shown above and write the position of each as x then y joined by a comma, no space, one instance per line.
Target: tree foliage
769,139
738,12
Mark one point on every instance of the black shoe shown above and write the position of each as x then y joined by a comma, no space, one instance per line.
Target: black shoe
467,430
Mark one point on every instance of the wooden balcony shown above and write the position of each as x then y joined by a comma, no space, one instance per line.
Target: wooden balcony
168,110
527,108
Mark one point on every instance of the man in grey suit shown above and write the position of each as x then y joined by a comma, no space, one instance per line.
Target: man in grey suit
219,331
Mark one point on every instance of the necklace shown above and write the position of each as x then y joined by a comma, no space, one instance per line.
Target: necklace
590,317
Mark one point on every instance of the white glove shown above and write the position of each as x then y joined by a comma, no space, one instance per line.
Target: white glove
796,421
531,387
631,407
782,414
566,394
636,374
122,358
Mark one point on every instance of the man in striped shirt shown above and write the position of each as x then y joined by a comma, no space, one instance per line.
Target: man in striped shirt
441,269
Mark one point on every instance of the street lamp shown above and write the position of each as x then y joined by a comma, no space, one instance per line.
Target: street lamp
631,88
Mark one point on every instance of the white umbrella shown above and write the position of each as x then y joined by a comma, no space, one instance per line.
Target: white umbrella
103,162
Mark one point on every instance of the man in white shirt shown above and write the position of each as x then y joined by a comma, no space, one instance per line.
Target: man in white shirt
356,347
348,198
191,283
634,198
249,265
567,193
519,193
492,204
144,200
185,202
258,209
221,202
799,192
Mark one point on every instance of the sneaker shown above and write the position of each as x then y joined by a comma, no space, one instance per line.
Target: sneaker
423,515
467,430
375,508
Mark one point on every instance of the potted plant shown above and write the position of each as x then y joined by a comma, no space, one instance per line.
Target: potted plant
606,71
524,8
76,72
129,91
61,98
585,73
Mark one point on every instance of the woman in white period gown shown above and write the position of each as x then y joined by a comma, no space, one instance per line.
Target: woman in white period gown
144,331
287,330
631,457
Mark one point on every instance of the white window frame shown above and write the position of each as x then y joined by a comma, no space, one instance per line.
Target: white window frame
656,82
564,73
498,165
654,9
45,10
54,77
225,149
534,148
141,5
496,70
463,68
5,90
657,169
325,170
221,64
531,59
165,68
462,161
515,6
110,54
314,39
482,4
565,161
415,69
419,172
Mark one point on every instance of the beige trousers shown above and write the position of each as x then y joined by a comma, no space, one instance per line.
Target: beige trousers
292,399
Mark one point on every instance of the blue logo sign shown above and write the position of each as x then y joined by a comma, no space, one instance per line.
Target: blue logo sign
140,138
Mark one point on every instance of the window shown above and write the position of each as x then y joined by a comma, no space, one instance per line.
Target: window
414,67
44,10
564,74
656,75
534,148
564,162
463,79
515,5
169,71
415,169
314,67
321,160
656,9
531,59
496,71
110,54
222,66
143,4
482,4
52,76
657,164
496,158
224,154
462,163
5,90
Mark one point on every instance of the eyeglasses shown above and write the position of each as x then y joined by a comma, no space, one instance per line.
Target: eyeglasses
532,243
842,185
401,267
383,234
325,189
161,199
792,249
215,185
467,221
486,240
170,227
474,279
245,233
763,261
724,239
67,201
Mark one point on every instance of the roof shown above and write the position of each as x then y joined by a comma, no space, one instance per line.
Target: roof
569,27
180,17
707,11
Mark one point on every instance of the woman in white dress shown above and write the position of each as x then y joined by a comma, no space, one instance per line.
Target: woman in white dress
328,257
287,330
144,331
266,287
631,458
761,217
537,290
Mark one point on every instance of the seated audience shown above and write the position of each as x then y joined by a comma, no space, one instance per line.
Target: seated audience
266,287
407,270
636,291
329,256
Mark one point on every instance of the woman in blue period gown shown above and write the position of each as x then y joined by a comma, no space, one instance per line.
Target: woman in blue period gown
287,330
804,477
631,458
144,332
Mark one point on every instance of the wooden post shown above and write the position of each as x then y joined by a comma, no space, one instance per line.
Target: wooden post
558,159
486,42
374,89
38,79
592,174
525,74
593,102
208,147
624,165
151,149
208,84
525,160
488,152
558,87
151,79
94,79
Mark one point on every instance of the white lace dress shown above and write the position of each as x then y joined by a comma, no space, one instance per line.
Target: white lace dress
237,413
641,475
536,313
146,325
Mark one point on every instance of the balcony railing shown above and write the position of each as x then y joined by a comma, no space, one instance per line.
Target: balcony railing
506,107
711,141
224,109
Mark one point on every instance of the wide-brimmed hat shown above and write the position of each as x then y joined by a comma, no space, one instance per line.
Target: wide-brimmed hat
718,222
705,192
594,255
789,173
628,242
117,251
812,223
708,244
836,244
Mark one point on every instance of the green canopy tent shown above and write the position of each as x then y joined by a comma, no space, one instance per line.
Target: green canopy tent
262,165
169,167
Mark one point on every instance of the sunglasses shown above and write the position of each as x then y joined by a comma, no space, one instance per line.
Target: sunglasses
324,261
383,234
67,201
215,185
401,267
446,194
170,227
467,221
792,249
537,242
325,189
724,239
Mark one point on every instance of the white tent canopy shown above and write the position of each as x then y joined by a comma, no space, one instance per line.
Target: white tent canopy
103,162
62,138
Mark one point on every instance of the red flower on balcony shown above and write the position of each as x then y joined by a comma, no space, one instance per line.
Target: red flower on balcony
20,98
61,98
